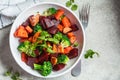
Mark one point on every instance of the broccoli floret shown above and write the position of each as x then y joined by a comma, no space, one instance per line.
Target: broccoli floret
58,36
63,59
53,40
37,28
44,69
23,47
28,48
45,34
49,12
65,41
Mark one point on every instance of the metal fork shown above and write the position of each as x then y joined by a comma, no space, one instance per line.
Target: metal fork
84,18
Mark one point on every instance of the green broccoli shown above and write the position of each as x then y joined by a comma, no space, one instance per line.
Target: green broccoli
23,47
49,12
28,48
44,69
65,41
58,36
63,59
53,40
37,28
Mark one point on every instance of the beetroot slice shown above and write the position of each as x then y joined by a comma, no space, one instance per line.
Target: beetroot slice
43,57
52,30
58,67
42,22
48,23
26,23
74,27
31,61
73,53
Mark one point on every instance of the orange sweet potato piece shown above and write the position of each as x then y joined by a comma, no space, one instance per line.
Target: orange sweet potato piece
36,35
72,39
67,49
55,48
53,60
60,49
29,29
60,27
58,14
70,34
66,22
66,30
34,19
21,32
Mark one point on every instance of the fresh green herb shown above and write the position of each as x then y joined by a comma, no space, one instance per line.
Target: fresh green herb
75,44
63,59
7,73
74,7
72,1
90,53
44,69
68,3
13,75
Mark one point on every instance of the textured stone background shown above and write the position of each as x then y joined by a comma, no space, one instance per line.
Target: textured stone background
102,35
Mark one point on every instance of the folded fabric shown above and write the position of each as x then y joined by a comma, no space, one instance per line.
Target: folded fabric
9,9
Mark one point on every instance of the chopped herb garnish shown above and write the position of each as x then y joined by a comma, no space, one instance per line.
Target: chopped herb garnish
14,76
74,7
90,53
68,3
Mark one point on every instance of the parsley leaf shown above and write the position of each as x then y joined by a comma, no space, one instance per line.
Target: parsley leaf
74,7
68,3
90,53
72,1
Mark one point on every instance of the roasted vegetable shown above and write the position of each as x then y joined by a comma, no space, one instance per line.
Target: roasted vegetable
44,69
63,59
65,41
49,11
28,48
59,13
37,28
58,67
21,32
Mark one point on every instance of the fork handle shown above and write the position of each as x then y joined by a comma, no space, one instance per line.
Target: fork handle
76,70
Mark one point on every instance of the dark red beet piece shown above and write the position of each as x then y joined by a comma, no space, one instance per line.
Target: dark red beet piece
56,22
52,30
51,17
53,55
31,61
48,23
42,22
74,27
58,67
26,23
37,52
43,57
73,53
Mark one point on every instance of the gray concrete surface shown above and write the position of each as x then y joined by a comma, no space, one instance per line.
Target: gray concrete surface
102,35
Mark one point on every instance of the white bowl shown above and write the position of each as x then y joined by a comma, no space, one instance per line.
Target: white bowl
32,10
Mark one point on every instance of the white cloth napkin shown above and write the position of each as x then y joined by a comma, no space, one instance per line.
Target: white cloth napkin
9,9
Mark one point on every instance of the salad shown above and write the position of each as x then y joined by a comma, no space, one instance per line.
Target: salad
47,41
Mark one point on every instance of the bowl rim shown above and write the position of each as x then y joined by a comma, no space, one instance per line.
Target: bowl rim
84,39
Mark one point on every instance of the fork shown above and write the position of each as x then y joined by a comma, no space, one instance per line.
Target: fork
84,18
